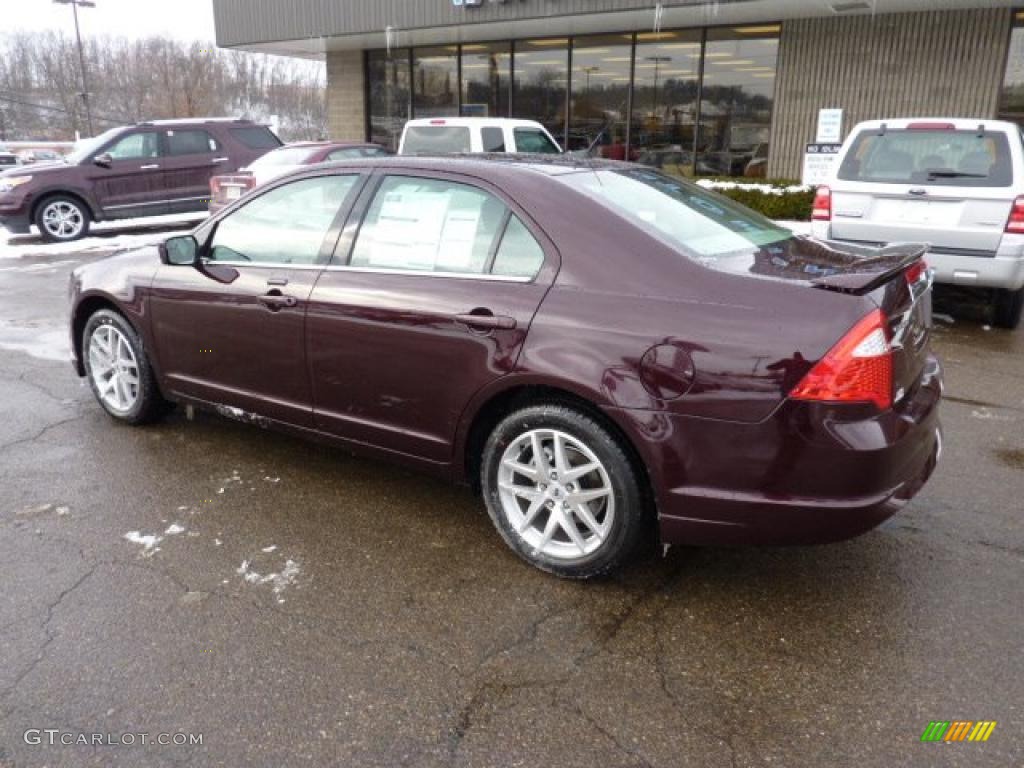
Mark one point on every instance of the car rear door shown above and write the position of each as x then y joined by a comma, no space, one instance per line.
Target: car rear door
130,184
429,298
192,157
232,332
929,183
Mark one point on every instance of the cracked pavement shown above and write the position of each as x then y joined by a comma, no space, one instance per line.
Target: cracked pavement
297,606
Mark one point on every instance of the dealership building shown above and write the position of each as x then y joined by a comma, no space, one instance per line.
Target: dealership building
734,87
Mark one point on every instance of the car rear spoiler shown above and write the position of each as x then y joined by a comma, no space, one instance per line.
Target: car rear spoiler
874,270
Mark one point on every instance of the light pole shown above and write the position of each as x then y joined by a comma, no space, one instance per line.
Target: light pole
81,57
658,61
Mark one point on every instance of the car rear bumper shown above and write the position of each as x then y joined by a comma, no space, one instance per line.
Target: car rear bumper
809,474
1002,269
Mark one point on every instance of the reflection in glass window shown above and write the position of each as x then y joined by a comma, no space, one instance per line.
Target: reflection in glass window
486,79
287,225
519,255
435,73
436,139
1011,106
190,143
665,100
541,77
600,94
736,109
428,225
534,140
390,104
136,145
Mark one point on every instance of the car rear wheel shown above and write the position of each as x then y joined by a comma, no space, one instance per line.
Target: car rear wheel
62,219
118,369
1008,307
562,492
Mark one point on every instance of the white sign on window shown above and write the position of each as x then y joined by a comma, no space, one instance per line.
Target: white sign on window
830,126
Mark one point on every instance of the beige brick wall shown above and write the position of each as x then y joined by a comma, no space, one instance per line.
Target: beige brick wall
346,103
932,64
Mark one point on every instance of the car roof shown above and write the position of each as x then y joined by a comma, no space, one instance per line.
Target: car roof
471,121
480,164
958,123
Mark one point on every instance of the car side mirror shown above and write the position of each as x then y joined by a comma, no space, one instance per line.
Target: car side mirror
181,251
104,160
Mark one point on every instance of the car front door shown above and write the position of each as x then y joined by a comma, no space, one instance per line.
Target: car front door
126,176
193,156
231,331
429,299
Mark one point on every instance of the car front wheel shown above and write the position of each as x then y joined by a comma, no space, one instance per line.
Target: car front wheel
118,369
562,492
62,219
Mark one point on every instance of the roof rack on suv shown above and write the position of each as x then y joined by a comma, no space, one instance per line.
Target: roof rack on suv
193,120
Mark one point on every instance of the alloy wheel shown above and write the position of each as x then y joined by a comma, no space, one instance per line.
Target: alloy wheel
114,369
556,494
63,220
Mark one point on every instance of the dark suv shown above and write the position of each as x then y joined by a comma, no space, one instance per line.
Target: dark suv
149,169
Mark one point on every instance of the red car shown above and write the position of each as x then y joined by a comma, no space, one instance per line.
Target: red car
605,351
225,189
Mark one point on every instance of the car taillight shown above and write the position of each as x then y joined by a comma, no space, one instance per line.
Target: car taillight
214,185
1015,224
822,208
856,370
915,271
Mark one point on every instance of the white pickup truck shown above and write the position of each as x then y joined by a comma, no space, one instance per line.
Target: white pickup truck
446,135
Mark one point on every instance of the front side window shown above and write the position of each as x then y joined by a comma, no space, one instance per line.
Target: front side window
933,156
428,225
533,140
287,225
190,143
135,146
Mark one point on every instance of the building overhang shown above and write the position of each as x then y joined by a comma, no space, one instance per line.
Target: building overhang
312,28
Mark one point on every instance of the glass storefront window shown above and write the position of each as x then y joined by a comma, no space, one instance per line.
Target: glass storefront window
486,79
435,73
600,94
541,79
1011,104
665,100
736,104
388,79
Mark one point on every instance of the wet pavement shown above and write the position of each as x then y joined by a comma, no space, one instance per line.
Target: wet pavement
297,606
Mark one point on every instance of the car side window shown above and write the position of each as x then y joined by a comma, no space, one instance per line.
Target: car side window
135,146
493,138
286,225
532,140
519,255
192,142
428,225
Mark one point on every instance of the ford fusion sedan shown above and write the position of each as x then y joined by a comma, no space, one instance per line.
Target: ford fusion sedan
605,352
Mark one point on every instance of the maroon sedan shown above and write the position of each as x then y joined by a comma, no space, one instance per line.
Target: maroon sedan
225,189
603,350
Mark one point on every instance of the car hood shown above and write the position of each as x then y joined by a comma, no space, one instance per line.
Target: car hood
35,169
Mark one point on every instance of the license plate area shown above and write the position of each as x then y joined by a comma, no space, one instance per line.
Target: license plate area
918,212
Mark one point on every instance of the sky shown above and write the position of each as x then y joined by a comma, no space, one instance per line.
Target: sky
185,20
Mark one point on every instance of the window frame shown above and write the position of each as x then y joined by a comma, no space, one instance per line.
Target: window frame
206,233
342,257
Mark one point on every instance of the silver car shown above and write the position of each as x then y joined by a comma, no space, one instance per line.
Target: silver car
957,184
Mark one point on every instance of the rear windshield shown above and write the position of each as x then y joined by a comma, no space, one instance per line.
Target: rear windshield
934,157
256,137
705,226
286,156
533,140
435,139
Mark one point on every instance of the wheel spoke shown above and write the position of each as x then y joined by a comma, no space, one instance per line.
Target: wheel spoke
589,494
522,469
549,531
583,512
540,459
531,514
582,470
561,463
569,526
524,491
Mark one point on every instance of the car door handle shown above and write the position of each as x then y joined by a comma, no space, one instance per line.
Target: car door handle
486,321
275,302
148,167
218,160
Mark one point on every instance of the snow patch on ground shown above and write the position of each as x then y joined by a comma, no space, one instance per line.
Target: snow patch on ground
45,345
174,529
285,578
766,189
14,246
147,541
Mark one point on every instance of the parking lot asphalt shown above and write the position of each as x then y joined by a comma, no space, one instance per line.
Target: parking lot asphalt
294,605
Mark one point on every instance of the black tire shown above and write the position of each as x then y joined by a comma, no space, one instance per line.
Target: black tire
149,404
1008,307
629,522
73,207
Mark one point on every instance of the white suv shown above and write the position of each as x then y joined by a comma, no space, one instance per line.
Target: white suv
957,184
444,135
